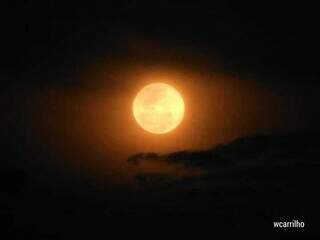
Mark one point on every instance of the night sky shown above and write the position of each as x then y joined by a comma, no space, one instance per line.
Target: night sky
73,156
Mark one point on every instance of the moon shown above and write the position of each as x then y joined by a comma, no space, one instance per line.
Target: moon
158,108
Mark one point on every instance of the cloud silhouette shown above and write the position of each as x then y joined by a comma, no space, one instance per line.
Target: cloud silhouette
255,179
258,150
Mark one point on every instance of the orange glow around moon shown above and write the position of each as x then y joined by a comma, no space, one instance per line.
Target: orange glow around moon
158,108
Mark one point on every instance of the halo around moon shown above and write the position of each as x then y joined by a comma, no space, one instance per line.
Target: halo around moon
158,108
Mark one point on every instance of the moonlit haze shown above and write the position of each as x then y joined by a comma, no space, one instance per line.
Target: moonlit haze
159,113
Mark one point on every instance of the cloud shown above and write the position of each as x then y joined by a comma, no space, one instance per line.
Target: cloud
251,164
256,180
248,151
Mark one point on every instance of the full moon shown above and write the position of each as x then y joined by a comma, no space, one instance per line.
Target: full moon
158,108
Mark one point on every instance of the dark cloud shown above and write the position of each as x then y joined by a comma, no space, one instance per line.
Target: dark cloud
246,185
254,179
256,150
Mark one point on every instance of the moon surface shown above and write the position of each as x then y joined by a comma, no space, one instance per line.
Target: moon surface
158,108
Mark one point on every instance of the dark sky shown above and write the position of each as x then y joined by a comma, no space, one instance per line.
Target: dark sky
277,41
257,63
69,71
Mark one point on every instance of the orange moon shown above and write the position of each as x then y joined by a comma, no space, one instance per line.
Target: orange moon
158,108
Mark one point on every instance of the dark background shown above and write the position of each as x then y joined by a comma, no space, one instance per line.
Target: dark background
44,43
270,39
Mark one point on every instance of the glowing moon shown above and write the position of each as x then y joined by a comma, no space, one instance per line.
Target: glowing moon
158,108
